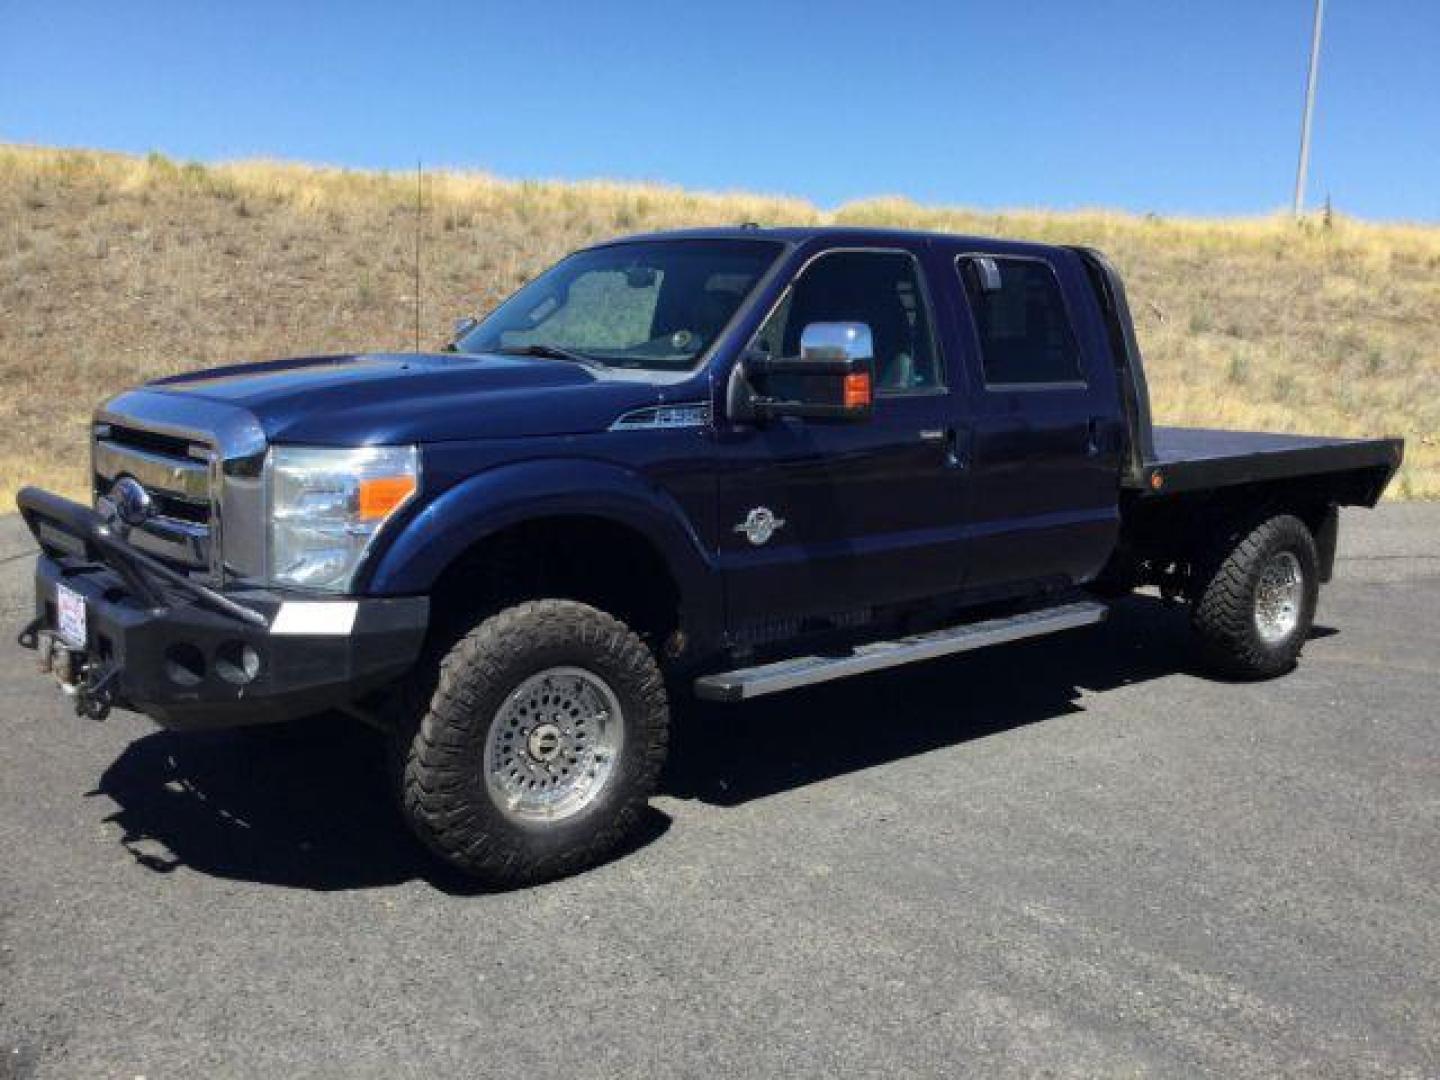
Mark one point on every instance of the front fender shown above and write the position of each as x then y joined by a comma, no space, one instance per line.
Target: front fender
443,530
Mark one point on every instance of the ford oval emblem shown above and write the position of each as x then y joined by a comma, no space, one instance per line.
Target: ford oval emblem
132,502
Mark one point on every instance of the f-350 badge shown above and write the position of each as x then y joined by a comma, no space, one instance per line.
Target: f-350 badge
759,525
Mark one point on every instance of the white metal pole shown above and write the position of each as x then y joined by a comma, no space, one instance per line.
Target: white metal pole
1304,166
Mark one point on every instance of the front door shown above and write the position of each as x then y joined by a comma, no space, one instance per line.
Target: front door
831,518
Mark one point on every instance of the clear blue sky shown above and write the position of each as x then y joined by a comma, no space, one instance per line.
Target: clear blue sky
1151,105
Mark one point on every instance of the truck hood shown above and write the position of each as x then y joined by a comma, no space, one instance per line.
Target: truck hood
417,397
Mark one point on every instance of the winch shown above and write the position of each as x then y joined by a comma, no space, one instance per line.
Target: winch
90,684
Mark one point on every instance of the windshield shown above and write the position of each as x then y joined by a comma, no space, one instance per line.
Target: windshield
649,304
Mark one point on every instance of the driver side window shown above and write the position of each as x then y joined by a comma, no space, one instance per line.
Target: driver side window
879,288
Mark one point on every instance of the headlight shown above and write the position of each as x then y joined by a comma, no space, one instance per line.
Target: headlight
326,504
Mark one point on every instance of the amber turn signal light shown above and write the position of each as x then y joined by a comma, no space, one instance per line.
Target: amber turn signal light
380,495
857,390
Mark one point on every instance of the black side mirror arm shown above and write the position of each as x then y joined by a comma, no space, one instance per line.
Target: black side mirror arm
745,404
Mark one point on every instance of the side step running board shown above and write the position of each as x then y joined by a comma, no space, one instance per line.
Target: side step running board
751,682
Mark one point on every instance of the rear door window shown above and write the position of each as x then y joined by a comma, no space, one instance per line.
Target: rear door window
1024,331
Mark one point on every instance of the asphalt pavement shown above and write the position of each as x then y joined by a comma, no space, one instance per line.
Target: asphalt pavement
1072,857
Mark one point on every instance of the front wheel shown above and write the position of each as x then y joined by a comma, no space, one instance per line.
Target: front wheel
1255,608
542,742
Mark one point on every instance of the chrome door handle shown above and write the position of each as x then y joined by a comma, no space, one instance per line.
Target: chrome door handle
1092,437
950,439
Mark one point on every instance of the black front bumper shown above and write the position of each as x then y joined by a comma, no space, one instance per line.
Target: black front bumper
191,658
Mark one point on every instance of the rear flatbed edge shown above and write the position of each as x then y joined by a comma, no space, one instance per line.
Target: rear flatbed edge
1199,459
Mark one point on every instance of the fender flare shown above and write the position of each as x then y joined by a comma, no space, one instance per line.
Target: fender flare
442,530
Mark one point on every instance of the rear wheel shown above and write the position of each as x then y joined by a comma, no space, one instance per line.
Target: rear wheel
540,744
1257,602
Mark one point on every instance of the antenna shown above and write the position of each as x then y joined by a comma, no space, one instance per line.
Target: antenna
419,209
1304,166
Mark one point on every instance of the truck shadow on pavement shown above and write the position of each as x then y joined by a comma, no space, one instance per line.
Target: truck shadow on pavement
306,806
726,755
309,806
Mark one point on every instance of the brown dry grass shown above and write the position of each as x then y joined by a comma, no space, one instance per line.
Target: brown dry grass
114,269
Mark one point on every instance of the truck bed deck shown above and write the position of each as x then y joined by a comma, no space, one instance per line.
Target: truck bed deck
1195,459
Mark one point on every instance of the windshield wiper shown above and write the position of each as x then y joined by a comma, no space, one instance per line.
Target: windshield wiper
551,352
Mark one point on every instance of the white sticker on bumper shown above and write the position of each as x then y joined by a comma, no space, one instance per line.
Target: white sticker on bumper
315,617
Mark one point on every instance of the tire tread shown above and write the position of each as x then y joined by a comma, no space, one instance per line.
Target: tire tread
1223,615
437,789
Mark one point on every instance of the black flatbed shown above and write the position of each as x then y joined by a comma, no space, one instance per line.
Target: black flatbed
1196,459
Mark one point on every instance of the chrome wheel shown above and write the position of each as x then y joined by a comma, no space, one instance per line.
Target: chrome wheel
1279,595
553,745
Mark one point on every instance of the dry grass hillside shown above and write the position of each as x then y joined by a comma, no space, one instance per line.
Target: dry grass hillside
114,269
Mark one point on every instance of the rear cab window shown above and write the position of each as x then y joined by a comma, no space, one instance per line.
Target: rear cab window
1023,329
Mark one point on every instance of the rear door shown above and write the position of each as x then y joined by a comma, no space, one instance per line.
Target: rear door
821,518
1046,429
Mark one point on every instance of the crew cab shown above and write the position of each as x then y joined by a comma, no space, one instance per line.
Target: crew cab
724,462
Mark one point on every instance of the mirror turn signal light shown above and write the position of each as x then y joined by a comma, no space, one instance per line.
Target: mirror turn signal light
380,495
857,390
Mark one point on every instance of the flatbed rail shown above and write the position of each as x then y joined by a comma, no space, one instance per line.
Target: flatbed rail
1199,459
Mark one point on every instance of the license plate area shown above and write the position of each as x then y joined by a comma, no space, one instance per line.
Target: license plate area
70,616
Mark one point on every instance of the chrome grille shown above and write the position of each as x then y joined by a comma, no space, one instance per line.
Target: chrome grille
176,475
202,467
184,480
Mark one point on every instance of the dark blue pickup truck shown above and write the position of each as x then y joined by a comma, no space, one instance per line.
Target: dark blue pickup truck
725,462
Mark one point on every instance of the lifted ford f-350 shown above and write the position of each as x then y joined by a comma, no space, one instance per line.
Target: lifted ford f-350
727,462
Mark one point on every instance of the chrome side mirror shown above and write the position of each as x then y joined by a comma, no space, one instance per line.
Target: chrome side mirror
837,341
465,325
832,378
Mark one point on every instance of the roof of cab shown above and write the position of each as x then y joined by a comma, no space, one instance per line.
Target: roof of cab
798,234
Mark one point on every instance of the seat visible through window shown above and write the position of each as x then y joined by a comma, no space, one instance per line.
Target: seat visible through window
878,288
1024,334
